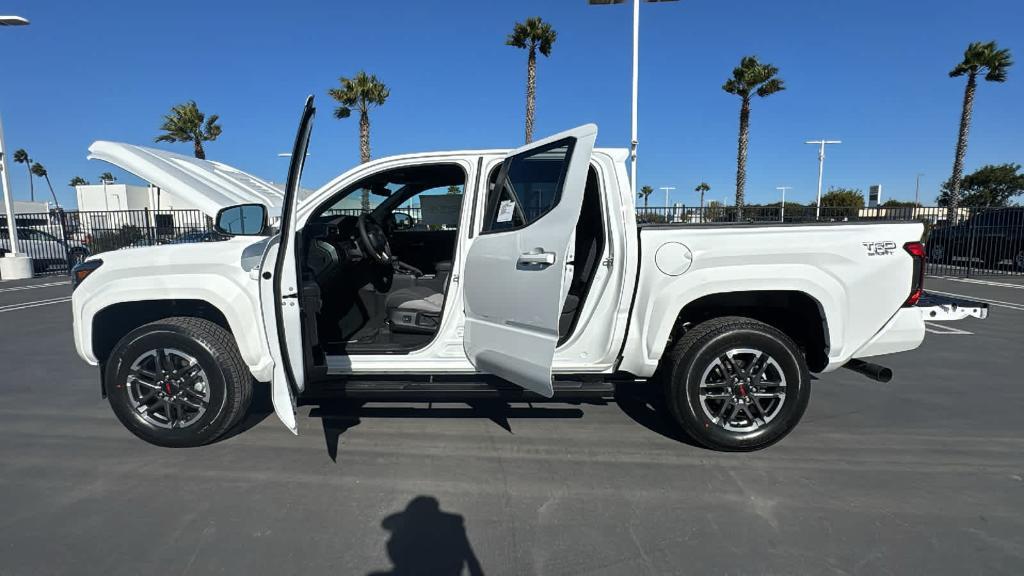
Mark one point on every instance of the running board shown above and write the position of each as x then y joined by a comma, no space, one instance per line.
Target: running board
476,386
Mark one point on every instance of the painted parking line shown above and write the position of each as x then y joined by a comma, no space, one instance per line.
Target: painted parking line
999,303
33,286
981,282
935,328
24,305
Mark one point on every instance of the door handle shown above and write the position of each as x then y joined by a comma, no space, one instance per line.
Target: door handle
537,258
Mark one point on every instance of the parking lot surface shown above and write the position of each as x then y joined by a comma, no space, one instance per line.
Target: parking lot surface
921,475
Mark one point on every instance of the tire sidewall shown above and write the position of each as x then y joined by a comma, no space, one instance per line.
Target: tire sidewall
150,337
696,360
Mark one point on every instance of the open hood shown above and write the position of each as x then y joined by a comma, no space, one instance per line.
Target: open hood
206,184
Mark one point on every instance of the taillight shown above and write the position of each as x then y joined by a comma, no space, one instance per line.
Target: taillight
916,251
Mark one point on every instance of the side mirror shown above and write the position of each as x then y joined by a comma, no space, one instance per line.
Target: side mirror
242,220
403,221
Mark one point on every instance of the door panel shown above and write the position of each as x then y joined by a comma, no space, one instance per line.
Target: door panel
516,268
290,371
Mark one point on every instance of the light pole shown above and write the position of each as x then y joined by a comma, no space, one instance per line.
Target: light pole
667,189
15,264
821,168
636,76
782,211
917,189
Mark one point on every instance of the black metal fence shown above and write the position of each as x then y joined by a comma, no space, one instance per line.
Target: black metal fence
979,242
58,240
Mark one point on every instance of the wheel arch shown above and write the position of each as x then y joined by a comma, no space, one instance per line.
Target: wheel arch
797,314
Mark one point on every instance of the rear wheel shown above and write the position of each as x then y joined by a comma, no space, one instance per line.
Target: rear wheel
736,384
178,382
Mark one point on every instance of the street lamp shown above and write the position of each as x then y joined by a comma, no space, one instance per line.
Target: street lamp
636,75
15,264
782,212
821,168
917,189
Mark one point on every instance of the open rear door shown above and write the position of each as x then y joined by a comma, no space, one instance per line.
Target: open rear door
280,292
516,267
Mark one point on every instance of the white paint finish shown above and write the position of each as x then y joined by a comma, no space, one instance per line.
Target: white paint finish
205,184
905,331
673,258
213,272
512,310
857,292
280,392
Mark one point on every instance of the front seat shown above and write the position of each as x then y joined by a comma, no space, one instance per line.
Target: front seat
415,310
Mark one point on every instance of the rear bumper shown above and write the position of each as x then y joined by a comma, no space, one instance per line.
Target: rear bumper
905,331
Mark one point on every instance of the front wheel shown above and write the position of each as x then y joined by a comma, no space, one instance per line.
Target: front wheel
736,384
178,382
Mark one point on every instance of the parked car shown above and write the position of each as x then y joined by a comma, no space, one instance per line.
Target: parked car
546,284
46,250
993,236
198,236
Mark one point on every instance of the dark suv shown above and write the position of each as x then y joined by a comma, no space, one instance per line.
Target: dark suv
991,236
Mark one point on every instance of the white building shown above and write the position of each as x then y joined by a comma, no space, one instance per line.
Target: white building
26,207
114,197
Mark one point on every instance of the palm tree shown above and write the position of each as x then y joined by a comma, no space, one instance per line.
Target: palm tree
645,192
78,181
979,58
107,177
534,35
702,188
41,172
361,92
749,78
21,157
186,123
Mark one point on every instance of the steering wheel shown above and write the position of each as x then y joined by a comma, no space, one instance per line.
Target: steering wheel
373,239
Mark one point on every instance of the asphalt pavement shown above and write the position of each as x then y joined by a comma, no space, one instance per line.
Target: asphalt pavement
921,475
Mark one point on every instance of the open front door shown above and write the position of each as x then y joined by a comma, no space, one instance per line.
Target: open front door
516,267
280,291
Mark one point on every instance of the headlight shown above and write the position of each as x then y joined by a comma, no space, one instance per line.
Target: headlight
81,271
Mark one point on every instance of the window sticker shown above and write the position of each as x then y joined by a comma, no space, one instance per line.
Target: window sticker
505,210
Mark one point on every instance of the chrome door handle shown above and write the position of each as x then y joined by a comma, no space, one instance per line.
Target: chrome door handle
537,258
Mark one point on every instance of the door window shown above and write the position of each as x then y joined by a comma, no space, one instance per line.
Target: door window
527,187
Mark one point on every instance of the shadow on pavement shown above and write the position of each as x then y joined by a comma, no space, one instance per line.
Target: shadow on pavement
645,404
340,416
426,540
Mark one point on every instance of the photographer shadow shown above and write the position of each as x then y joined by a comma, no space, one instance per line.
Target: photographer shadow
426,540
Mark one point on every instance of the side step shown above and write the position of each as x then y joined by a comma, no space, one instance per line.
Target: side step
454,388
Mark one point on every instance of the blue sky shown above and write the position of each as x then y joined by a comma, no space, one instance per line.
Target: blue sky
870,72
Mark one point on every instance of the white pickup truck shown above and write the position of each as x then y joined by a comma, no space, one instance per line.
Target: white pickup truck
522,270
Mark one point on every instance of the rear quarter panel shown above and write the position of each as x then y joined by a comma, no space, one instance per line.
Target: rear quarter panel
858,290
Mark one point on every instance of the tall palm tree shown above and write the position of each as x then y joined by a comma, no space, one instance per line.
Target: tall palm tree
361,92
749,78
979,58
107,177
703,187
78,181
41,172
21,157
534,35
185,123
645,192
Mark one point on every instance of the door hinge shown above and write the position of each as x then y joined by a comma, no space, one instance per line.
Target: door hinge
455,278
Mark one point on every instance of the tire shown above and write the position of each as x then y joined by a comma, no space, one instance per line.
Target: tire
186,343
696,358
